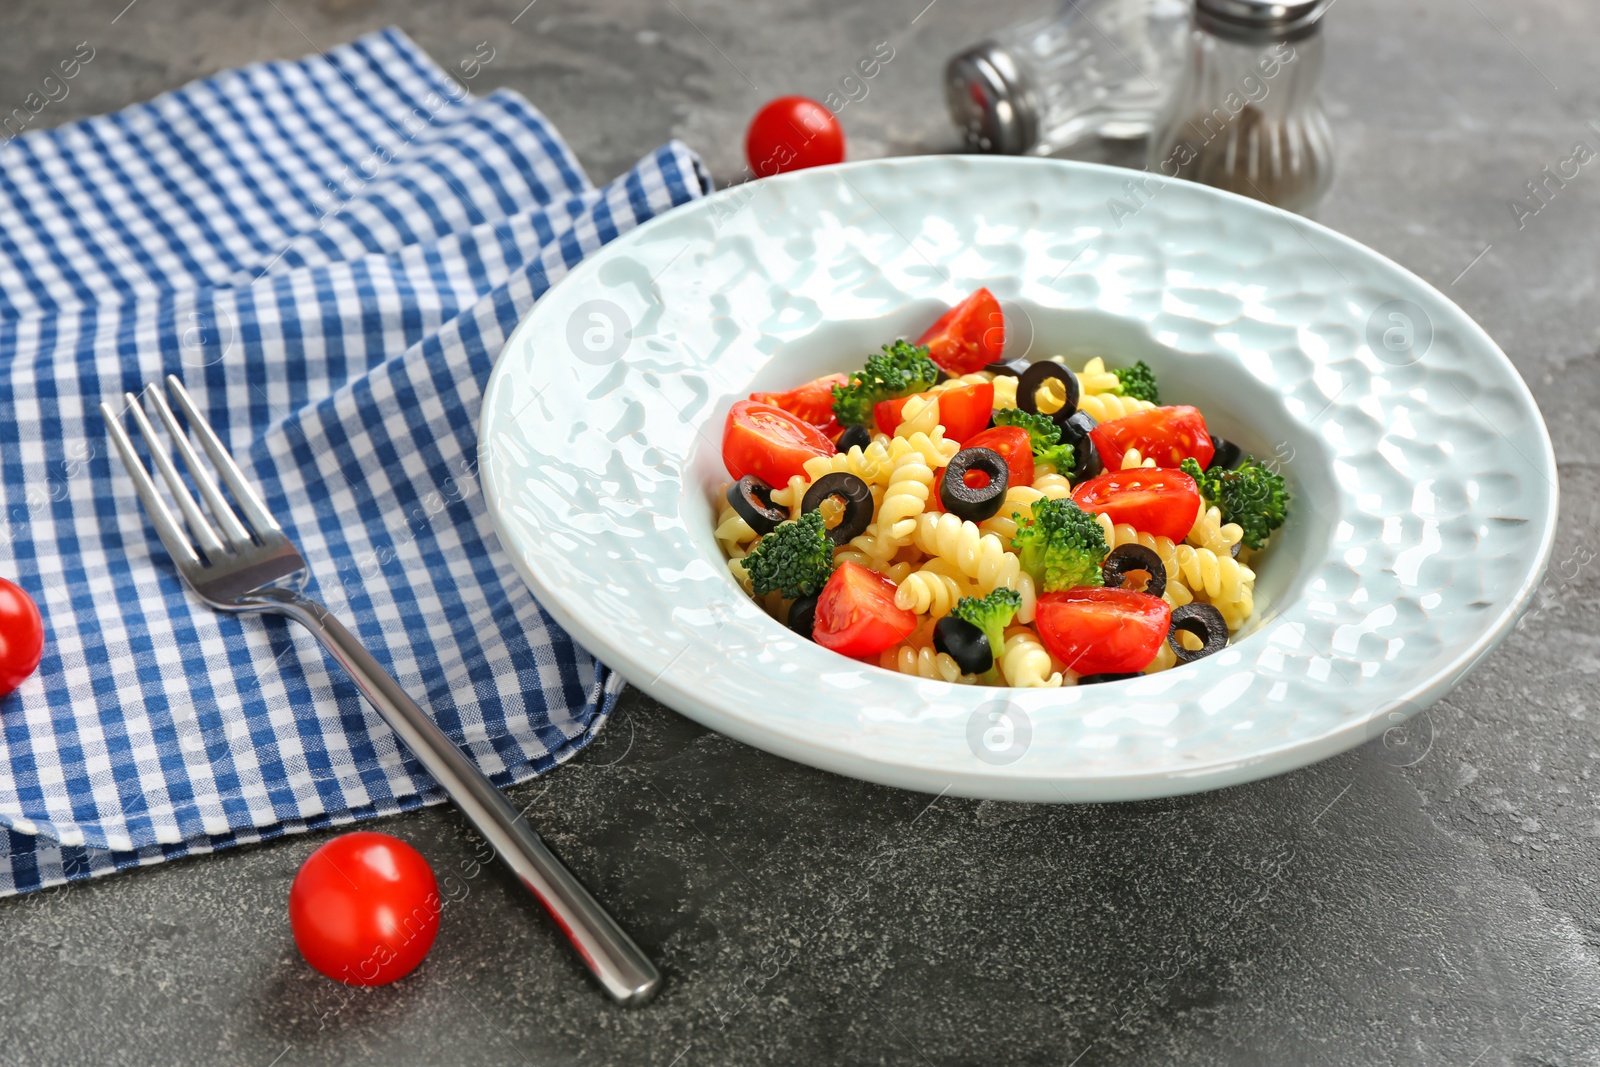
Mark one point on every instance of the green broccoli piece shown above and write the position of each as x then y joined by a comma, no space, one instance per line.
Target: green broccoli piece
795,559
902,369
1252,496
1061,545
1043,435
1138,381
991,614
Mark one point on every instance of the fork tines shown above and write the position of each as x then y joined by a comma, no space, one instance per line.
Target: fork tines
223,551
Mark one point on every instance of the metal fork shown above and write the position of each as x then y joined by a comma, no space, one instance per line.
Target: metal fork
231,564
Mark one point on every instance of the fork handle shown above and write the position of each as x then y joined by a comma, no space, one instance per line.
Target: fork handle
606,949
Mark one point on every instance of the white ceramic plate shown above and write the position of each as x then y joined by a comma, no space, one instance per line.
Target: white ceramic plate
1423,479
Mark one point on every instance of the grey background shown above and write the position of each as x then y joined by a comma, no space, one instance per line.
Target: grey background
1353,912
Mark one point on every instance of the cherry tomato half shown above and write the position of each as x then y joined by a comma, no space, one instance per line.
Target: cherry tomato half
364,908
21,636
1013,443
769,442
1102,631
1158,501
856,613
792,133
812,402
968,336
1167,435
963,412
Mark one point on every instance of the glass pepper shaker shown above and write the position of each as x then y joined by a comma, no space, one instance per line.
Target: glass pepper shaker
1090,68
1244,114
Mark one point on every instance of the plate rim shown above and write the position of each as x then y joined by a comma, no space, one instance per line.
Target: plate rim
1288,754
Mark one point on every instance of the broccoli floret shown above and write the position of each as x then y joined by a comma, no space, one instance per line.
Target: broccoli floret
795,559
1044,436
1252,496
902,369
1138,381
991,614
1060,544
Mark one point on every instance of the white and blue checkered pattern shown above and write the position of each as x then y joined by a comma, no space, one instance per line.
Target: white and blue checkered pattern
330,254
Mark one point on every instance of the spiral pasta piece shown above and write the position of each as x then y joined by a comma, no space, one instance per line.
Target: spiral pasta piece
920,415
1165,660
1103,407
1132,458
935,449
928,592
1095,379
1005,391
980,556
734,534
1053,485
924,663
977,377
1209,531
1019,498
909,489
790,496
1024,663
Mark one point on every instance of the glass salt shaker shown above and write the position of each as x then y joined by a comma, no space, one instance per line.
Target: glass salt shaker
1244,114
1091,68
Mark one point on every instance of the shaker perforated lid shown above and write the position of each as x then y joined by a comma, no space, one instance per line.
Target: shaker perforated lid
1260,21
991,101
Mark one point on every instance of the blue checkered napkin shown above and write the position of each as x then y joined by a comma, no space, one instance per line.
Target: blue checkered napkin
330,253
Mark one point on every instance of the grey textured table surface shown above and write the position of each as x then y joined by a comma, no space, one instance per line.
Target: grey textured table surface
1352,912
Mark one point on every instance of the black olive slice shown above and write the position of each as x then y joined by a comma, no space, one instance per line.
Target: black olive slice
803,615
1010,368
1227,455
1030,380
857,498
964,643
975,503
1075,430
1096,679
854,437
1205,622
752,499
1125,558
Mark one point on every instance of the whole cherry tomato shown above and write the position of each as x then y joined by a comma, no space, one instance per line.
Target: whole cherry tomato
812,402
770,443
857,615
968,336
1167,435
21,636
1102,631
1160,502
792,133
364,908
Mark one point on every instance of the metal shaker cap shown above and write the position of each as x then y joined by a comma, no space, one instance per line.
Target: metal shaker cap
991,101
1260,21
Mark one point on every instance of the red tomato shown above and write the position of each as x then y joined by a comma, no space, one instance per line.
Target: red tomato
364,908
963,412
812,401
1159,501
1102,631
769,442
21,636
968,336
856,613
1167,435
792,133
1013,443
